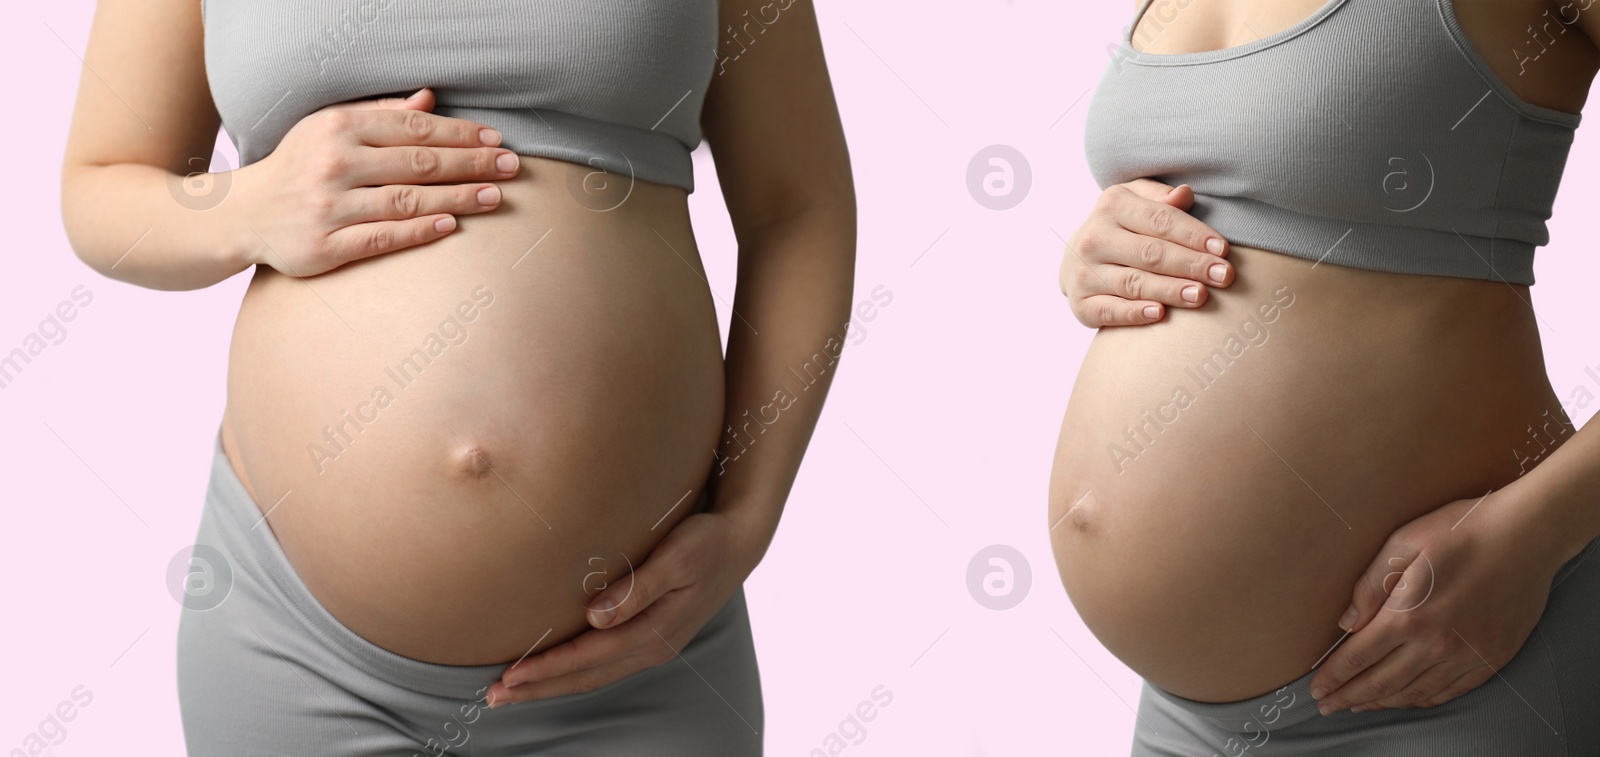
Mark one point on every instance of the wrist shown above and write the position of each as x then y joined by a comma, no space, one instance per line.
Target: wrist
753,527
1540,526
239,248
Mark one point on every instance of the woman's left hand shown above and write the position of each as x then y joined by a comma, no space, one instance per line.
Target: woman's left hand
689,576
1473,579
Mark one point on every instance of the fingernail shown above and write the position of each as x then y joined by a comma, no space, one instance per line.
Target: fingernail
489,195
414,95
1152,312
1326,709
1359,708
444,224
507,162
1218,272
489,137
1215,246
604,612
1191,294
1349,620
1318,691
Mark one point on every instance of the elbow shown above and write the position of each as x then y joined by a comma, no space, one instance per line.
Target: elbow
828,220
76,221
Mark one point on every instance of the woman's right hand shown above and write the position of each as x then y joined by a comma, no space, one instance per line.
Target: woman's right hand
359,179
1138,252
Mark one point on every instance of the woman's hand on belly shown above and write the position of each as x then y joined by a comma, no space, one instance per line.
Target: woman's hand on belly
365,178
1140,250
645,619
1450,599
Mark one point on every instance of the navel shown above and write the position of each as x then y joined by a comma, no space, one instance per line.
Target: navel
1079,516
472,461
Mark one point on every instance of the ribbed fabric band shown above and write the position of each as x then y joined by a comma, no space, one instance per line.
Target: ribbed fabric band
1288,706
1366,245
1370,134
607,83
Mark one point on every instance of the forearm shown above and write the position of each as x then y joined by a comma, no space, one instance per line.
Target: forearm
135,223
1561,496
792,307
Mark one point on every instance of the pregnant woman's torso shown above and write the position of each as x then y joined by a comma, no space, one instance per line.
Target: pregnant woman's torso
458,443
1223,477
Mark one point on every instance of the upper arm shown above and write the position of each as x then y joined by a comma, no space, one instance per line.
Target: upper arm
143,96
770,116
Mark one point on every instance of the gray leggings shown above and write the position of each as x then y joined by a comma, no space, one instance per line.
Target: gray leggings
1544,703
268,671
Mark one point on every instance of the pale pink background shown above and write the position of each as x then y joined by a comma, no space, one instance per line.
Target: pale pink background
957,389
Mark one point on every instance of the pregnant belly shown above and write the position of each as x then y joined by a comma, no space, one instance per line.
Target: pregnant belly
458,444
1224,477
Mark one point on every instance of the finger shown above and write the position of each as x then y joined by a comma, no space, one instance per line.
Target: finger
1145,252
1101,310
1431,682
591,649
1464,683
422,99
1385,678
1136,284
1358,652
624,599
400,127
1373,588
400,201
1180,196
419,164
1156,218
578,682
364,240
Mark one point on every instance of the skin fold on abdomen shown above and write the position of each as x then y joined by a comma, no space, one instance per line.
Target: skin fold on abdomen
1224,477
458,443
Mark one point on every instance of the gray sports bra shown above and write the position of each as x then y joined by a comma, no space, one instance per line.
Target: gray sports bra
1371,134
615,84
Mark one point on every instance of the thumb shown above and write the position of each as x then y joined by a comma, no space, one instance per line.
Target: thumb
1180,197
1387,571
422,99
625,598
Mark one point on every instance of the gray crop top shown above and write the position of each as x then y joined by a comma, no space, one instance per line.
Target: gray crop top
616,84
1371,134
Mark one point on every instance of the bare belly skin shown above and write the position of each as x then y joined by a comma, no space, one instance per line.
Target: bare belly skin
1223,477
457,444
